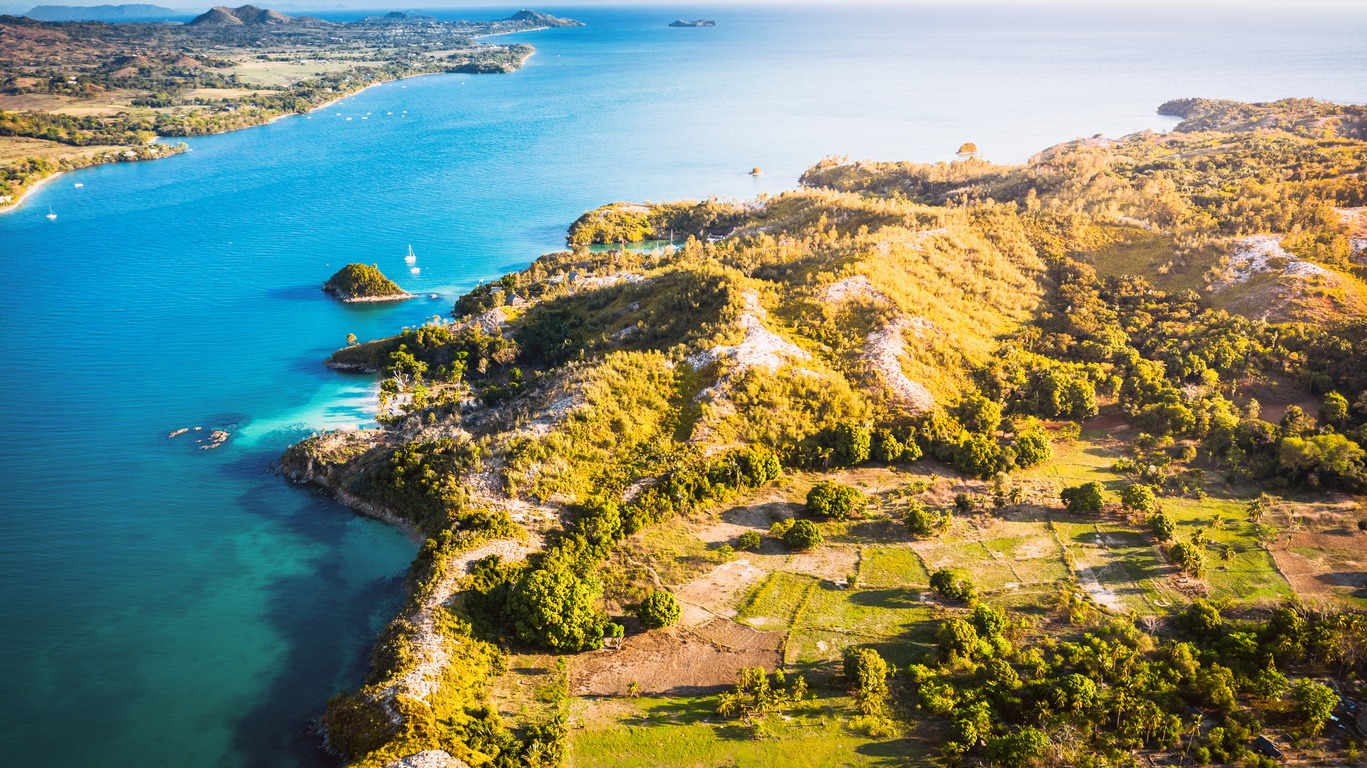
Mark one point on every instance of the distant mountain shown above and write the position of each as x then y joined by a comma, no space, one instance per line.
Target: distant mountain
223,16
543,19
693,23
104,13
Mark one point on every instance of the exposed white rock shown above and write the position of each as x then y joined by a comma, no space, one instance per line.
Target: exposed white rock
761,347
1254,255
432,758
883,352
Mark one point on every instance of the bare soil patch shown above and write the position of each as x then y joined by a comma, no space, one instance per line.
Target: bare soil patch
716,594
677,661
1340,569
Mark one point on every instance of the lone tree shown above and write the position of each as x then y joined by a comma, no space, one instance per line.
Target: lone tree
1163,526
1082,498
866,674
659,610
968,148
835,501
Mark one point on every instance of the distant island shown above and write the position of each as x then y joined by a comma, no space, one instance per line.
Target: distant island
356,283
109,13
225,69
694,23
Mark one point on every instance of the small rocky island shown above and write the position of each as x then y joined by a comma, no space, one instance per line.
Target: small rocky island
694,23
359,282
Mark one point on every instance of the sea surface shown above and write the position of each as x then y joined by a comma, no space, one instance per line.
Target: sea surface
162,604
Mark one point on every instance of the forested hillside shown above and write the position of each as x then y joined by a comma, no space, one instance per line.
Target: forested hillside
1050,464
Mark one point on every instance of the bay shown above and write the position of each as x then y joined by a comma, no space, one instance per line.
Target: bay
165,605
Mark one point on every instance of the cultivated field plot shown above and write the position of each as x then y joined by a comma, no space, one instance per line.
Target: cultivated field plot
258,72
678,661
892,566
686,733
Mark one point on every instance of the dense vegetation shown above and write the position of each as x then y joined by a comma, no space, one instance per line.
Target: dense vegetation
967,316
358,282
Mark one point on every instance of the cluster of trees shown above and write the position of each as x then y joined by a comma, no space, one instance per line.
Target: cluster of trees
629,223
760,698
552,601
1114,689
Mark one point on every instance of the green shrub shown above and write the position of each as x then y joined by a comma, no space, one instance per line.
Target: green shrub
952,585
660,609
750,540
979,414
780,527
888,448
834,501
1139,497
866,673
982,456
922,522
1188,557
1033,447
802,536
1163,526
555,609
1083,498
852,443
1314,703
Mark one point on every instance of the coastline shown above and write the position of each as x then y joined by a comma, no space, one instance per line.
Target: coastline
18,201
24,195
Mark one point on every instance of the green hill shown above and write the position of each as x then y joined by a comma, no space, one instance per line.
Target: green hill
359,282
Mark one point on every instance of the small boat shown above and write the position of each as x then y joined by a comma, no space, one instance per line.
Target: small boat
415,270
50,215
411,258
78,185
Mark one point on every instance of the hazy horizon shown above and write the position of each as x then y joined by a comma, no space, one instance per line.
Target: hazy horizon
673,5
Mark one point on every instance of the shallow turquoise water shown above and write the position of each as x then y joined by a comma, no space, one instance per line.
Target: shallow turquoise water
167,606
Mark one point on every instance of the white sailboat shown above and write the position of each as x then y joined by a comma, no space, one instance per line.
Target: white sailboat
50,215
411,258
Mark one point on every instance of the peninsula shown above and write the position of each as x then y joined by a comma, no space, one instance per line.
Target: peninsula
364,283
74,94
952,464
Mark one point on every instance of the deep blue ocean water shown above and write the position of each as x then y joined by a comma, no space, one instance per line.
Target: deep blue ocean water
162,605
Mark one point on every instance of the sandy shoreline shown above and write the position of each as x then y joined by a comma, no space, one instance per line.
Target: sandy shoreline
25,194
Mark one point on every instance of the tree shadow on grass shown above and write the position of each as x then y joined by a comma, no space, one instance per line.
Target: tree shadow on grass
887,598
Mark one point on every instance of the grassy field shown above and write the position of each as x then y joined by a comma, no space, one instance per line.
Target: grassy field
868,585
257,72
17,147
686,733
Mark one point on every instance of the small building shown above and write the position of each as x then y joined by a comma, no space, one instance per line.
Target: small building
1264,746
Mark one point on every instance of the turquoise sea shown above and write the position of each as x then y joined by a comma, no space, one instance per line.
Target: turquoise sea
163,605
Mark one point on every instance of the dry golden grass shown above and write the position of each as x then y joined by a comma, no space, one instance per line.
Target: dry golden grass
17,148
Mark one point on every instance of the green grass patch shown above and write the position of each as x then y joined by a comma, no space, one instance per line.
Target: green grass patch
892,567
686,733
774,603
